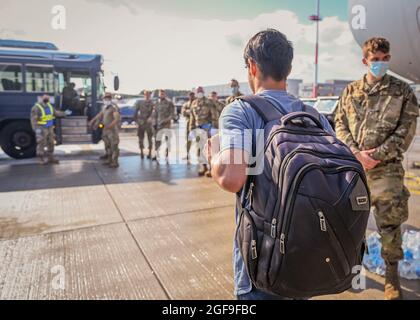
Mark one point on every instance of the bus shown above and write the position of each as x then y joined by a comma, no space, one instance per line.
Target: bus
28,70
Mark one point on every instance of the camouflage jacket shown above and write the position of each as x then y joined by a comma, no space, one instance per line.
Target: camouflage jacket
219,108
108,115
382,117
203,111
232,98
143,111
186,110
164,112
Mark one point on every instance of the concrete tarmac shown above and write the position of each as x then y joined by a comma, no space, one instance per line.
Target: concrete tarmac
79,230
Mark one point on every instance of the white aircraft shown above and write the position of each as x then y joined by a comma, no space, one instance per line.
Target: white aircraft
397,21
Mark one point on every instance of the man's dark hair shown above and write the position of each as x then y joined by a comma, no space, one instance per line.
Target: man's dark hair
272,53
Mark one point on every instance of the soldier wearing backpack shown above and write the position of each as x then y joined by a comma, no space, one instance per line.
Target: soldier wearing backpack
294,211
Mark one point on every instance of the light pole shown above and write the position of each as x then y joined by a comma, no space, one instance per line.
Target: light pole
316,18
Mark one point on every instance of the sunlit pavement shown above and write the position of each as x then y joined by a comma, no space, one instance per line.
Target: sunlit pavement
142,231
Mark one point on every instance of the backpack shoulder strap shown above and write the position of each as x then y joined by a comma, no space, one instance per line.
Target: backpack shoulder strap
266,110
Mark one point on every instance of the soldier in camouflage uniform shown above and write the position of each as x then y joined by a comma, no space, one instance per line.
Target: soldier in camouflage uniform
186,112
234,84
219,108
377,118
163,115
42,121
110,119
203,114
142,116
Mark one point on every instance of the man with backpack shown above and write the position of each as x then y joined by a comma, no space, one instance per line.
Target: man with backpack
273,113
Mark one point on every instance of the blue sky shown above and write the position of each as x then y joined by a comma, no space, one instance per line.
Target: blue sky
236,9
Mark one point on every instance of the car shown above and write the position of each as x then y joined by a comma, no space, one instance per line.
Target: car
127,109
309,101
327,106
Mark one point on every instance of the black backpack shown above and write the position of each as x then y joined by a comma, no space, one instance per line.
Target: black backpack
302,221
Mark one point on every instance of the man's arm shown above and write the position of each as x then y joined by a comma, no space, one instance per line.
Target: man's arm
185,110
343,133
192,120
229,152
229,176
96,119
59,113
403,136
136,111
172,109
34,117
342,125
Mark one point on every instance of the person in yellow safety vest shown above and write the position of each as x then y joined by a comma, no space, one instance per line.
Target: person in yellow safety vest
42,121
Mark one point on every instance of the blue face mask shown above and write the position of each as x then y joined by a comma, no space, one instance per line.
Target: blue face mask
379,69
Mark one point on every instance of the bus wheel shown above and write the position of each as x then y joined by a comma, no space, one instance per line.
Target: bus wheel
18,140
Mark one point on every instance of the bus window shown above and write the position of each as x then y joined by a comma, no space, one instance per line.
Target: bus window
10,77
39,79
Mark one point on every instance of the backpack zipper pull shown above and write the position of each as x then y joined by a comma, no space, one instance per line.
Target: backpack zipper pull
322,221
282,243
249,195
273,228
254,253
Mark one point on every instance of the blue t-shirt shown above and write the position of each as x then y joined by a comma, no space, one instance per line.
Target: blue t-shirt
236,119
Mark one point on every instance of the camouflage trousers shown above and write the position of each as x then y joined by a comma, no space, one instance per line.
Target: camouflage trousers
111,140
390,207
45,140
142,130
161,135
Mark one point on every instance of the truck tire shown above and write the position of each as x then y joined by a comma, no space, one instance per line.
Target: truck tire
18,140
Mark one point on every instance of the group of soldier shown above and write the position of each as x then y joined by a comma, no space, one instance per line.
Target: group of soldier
201,112
151,117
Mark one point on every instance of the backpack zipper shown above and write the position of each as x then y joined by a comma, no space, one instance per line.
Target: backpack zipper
322,221
283,244
274,228
272,135
254,254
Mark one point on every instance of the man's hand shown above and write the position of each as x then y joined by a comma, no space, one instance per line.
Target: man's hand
365,158
212,147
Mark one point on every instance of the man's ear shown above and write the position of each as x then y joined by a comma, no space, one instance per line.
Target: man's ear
365,62
252,67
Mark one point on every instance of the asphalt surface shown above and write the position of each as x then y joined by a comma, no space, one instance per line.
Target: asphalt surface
142,231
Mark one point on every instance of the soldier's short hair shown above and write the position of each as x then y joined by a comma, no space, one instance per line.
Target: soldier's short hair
272,52
234,82
376,44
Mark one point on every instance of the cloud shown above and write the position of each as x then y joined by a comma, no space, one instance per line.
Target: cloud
128,4
235,40
150,49
10,33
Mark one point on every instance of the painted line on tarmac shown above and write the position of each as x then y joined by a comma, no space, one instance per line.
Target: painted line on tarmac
413,183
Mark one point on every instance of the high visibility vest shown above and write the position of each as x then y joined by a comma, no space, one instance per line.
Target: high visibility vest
47,115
